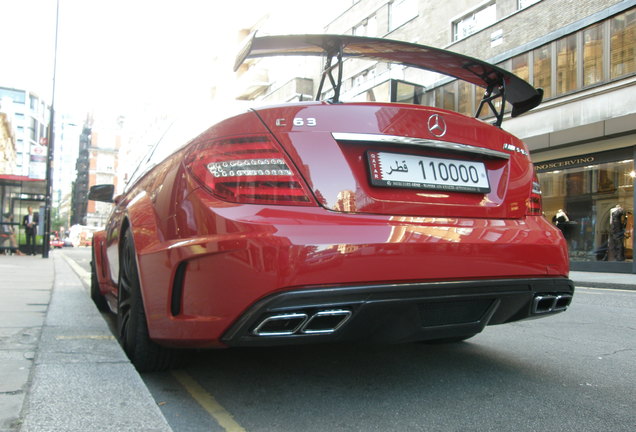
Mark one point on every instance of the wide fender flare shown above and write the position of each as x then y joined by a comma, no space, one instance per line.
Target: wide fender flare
99,263
155,281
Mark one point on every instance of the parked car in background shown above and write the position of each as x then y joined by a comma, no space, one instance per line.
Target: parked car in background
328,221
56,243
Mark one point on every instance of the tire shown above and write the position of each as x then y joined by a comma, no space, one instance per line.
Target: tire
132,327
97,296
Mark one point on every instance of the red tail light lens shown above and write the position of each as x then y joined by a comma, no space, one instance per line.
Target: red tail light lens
248,169
534,206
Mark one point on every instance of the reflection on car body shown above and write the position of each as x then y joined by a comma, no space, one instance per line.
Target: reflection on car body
327,221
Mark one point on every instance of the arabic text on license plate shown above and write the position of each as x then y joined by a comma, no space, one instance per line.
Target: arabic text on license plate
422,172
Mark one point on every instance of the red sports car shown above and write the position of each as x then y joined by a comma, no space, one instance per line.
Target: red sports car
328,221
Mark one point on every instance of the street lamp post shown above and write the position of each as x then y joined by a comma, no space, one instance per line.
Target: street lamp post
49,151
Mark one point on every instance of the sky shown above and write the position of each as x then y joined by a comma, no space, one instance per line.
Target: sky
128,55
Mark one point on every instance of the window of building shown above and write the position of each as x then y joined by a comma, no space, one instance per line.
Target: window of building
479,95
368,27
593,55
372,26
406,93
33,103
542,73
525,3
475,21
464,98
106,163
623,44
401,11
566,64
379,93
33,129
520,66
448,96
562,66
17,96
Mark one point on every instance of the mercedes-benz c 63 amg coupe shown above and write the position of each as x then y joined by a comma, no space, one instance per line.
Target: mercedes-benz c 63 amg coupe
328,221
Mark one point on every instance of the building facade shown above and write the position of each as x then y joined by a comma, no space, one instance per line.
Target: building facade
29,116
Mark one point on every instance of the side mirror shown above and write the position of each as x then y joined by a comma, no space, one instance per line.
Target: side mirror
102,192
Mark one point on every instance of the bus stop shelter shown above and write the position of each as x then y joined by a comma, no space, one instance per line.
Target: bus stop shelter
17,193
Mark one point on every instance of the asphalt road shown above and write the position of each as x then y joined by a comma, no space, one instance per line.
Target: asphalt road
571,372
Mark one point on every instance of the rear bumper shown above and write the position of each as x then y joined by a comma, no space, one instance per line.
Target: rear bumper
397,312
196,290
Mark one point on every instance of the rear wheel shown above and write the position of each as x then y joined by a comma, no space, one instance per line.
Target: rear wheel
97,296
132,327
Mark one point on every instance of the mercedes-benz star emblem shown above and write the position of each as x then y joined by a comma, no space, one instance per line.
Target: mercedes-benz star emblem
437,125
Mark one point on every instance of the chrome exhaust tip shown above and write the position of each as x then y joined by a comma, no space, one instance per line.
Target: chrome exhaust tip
548,303
326,322
562,302
301,323
281,325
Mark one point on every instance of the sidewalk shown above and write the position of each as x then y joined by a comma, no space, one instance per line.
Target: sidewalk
60,367
62,370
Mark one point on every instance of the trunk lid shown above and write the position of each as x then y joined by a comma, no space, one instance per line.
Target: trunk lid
393,159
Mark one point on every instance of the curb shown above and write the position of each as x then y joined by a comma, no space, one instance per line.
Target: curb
81,378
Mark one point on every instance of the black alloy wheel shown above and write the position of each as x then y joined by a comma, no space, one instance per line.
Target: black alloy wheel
132,327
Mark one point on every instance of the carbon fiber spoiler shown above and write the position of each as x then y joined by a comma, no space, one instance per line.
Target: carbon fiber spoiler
498,82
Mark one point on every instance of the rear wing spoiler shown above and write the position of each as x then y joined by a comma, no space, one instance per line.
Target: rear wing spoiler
497,82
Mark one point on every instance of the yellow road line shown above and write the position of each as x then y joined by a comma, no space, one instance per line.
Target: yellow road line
84,275
208,402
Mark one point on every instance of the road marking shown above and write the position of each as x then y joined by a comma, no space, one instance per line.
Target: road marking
208,402
84,275
93,337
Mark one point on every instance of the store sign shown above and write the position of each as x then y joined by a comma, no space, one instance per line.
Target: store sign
585,160
37,162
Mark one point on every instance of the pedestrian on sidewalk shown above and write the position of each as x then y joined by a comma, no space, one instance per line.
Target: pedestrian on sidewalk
9,232
30,222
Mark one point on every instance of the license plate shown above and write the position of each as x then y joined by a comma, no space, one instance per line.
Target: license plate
423,172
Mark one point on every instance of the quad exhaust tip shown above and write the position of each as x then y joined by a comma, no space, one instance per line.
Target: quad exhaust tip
550,303
301,323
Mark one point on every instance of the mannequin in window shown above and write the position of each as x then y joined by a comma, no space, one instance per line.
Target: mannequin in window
561,220
617,233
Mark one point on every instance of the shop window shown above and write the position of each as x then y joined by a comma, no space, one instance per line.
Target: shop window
593,55
623,44
588,194
566,64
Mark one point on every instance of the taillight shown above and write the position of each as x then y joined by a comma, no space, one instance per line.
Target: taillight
247,169
533,205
